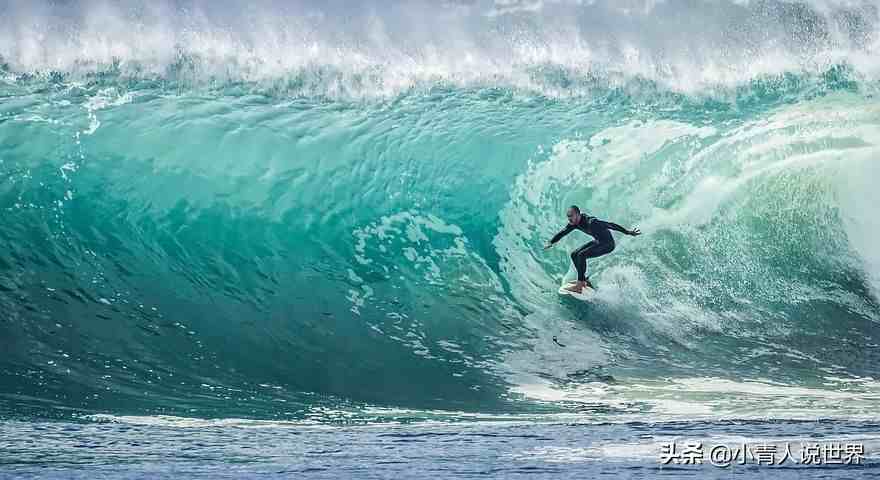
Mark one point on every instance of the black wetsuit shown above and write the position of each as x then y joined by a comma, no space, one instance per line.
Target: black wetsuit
600,230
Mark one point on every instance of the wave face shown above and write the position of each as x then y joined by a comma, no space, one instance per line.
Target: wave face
289,210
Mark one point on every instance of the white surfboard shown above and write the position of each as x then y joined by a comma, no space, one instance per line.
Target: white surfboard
586,294
569,278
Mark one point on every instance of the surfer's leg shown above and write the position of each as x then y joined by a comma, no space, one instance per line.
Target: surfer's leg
592,250
579,258
599,249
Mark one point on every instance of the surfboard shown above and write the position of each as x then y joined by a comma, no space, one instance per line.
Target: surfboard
586,295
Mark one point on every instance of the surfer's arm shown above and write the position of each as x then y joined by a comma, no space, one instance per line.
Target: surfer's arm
565,231
614,226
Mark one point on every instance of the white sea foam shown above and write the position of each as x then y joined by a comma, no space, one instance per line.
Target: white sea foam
382,48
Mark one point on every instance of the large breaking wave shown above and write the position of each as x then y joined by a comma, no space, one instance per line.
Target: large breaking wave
285,210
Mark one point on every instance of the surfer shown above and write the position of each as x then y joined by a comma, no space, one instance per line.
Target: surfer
603,242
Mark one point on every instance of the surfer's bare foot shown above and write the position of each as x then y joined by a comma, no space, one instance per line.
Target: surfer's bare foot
576,287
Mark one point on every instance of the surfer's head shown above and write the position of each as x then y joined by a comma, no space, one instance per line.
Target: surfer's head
573,214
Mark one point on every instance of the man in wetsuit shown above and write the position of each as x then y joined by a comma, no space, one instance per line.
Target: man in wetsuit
604,243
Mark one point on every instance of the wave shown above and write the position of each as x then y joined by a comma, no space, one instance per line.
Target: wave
238,252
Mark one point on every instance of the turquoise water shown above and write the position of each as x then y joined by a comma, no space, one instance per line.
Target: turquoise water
333,215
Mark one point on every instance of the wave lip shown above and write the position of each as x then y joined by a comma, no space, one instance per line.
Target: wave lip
381,49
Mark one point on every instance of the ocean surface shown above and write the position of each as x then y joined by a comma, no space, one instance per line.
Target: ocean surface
305,239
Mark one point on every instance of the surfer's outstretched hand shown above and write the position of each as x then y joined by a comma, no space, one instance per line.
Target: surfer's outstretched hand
635,232
548,246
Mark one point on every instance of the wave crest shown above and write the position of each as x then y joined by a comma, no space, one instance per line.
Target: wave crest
380,49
